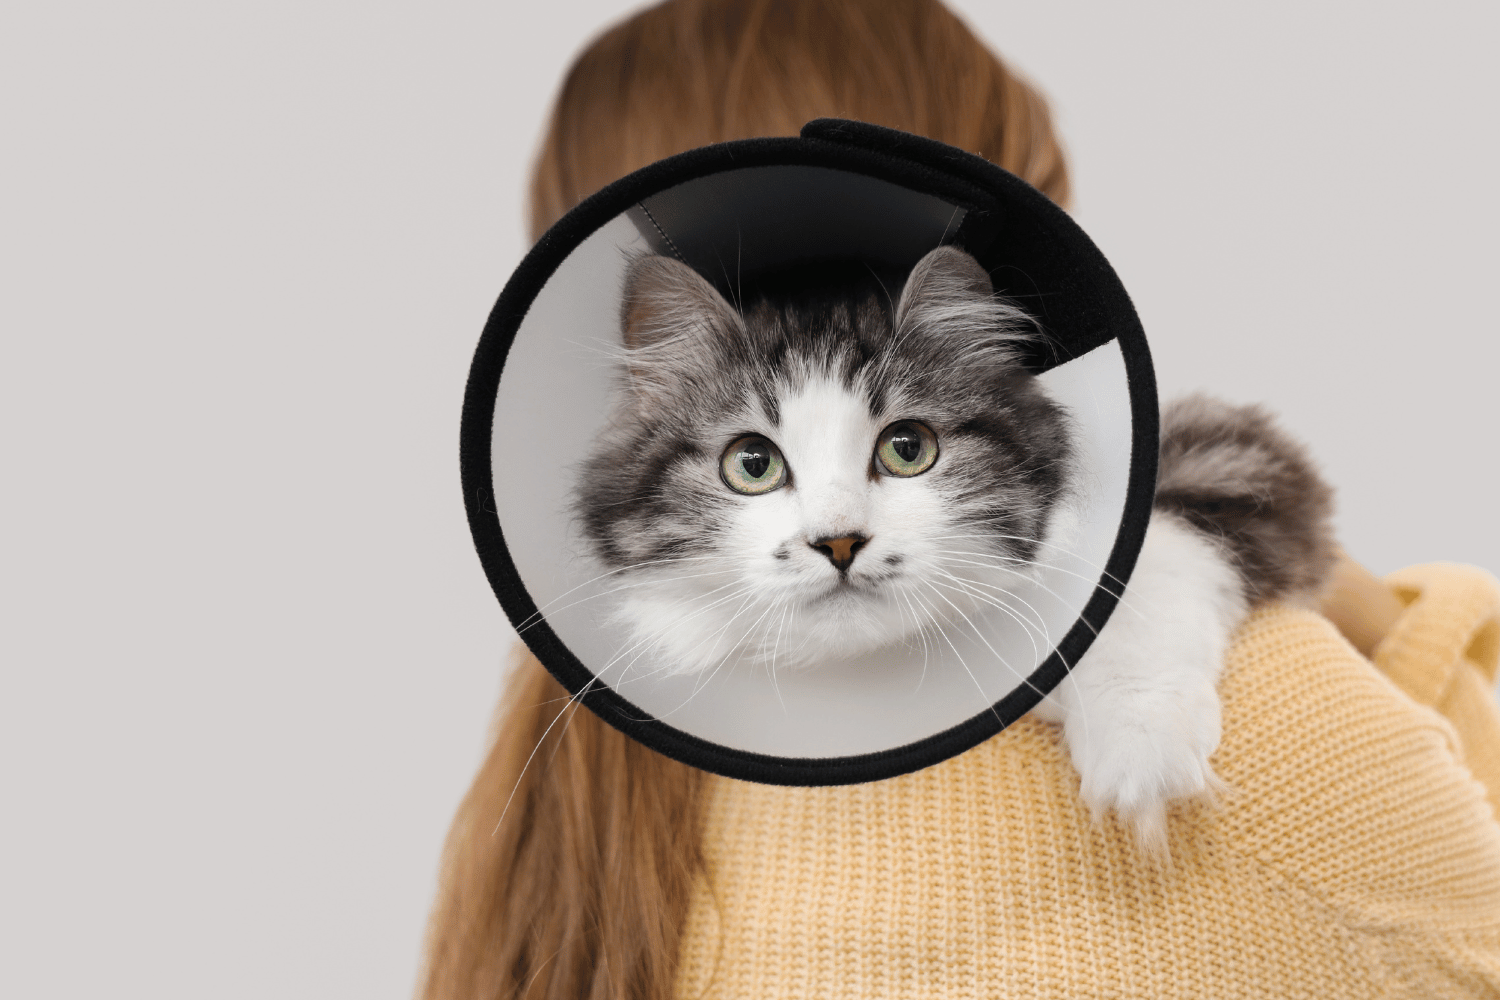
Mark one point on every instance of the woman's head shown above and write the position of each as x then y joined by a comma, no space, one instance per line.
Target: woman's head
687,73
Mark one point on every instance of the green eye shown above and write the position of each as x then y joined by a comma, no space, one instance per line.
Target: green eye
906,448
753,465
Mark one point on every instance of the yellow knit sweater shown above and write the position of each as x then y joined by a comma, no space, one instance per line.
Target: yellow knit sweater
1357,856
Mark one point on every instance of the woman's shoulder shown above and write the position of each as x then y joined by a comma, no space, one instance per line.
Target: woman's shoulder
1345,783
1358,782
1304,711
1354,854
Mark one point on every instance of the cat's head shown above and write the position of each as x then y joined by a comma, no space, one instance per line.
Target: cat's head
823,473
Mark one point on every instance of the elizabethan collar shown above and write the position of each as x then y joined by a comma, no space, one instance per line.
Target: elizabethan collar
540,391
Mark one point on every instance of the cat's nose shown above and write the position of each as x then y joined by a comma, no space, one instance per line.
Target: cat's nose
840,551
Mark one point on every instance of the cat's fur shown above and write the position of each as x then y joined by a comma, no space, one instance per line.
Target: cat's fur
820,369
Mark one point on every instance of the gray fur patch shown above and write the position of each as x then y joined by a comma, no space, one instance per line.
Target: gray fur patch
1237,477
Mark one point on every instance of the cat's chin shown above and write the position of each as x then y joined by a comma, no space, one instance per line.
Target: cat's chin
840,624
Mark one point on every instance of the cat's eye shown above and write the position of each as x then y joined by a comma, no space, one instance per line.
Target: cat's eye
753,465
906,448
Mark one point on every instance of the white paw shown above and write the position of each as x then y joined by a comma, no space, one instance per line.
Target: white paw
1141,750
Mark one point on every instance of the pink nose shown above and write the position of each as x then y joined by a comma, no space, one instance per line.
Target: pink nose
840,551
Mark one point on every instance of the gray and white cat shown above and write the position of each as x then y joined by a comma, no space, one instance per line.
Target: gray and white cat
827,472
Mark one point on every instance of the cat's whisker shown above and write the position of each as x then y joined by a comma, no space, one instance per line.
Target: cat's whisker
576,705
736,650
986,698
532,756
1045,566
632,585
1050,545
1036,651
883,290
1026,623
667,665
676,623
775,648
980,635
922,632
745,642
992,561
1040,623
1068,677
601,576
1040,620
792,627
747,595
705,678
909,635
949,225
919,629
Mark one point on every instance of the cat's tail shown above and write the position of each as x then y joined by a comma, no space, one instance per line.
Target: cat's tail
1233,474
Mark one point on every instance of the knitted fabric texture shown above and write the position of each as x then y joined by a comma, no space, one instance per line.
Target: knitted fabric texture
1355,856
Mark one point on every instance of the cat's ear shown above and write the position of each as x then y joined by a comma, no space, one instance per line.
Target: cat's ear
944,278
667,301
675,326
949,296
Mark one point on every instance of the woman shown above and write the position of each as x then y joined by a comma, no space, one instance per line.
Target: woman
1357,856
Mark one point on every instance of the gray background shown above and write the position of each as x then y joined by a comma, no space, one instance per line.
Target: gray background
247,653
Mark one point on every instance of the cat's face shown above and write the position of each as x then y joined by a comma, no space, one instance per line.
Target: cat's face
823,475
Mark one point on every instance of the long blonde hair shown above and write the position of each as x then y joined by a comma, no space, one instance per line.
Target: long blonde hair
582,890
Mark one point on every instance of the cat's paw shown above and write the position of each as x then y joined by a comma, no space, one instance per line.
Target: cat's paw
1144,753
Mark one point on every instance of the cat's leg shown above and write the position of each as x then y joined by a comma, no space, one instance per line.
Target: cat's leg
1242,518
1140,712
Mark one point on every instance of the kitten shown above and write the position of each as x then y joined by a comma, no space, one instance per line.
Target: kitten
787,483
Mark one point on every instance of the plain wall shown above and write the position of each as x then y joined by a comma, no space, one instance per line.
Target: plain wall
248,655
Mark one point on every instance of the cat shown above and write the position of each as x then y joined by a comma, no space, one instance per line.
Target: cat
795,481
